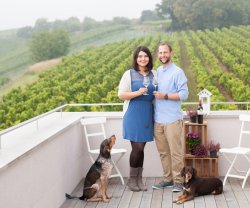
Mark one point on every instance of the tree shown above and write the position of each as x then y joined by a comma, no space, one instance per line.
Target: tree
89,23
121,20
149,15
73,24
201,14
25,32
164,10
41,25
48,45
58,25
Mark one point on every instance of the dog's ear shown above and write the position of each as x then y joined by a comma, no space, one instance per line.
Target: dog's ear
183,172
104,146
194,171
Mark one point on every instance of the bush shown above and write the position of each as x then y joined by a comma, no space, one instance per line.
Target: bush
48,45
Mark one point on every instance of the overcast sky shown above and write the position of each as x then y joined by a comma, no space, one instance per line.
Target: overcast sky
20,13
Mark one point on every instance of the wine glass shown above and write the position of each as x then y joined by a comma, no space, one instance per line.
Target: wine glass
146,82
155,83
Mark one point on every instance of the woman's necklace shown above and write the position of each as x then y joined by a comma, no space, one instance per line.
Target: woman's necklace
144,73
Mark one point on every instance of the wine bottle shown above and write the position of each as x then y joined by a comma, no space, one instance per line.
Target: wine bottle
200,112
200,108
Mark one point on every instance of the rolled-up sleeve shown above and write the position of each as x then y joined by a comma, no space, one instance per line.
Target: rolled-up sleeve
182,86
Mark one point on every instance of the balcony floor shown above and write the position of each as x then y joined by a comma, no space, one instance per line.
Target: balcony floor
233,196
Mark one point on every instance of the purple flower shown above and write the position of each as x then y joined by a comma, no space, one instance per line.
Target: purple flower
191,112
191,135
192,140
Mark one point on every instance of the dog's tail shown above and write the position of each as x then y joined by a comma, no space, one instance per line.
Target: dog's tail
88,193
74,197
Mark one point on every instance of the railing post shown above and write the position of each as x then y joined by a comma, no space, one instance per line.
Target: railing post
0,142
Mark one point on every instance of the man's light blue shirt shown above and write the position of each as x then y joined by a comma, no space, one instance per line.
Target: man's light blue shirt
170,80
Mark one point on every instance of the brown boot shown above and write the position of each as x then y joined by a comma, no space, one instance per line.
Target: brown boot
142,186
132,181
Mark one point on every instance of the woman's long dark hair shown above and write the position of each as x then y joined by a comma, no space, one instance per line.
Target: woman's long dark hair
135,56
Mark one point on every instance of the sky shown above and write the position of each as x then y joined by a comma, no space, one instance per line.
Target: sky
20,13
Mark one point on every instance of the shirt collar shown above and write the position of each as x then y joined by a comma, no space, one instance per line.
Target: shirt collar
167,67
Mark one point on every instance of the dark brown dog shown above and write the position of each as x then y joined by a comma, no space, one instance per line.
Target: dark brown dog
101,169
196,186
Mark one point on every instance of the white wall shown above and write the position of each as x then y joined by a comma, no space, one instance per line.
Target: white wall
226,130
41,178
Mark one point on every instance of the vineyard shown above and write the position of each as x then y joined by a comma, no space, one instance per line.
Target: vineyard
218,60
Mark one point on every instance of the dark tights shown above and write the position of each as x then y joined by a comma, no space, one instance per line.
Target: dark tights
137,154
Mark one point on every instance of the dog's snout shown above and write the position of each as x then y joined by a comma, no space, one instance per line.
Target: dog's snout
113,138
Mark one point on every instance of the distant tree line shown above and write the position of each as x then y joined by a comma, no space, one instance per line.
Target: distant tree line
50,40
204,14
185,14
72,24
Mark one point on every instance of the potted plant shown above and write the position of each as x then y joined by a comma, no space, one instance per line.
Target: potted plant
199,151
192,140
192,115
213,148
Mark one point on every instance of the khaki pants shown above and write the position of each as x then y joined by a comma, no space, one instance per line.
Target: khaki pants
169,145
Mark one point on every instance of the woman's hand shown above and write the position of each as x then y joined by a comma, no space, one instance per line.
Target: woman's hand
142,90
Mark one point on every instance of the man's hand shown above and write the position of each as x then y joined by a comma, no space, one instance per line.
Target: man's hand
158,95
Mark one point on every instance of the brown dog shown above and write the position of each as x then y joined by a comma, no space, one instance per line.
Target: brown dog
101,169
196,186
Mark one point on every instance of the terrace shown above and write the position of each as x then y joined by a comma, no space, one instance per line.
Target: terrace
46,156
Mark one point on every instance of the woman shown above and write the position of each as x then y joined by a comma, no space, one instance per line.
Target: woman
138,112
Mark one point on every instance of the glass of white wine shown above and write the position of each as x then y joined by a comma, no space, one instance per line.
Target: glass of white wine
155,83
146,82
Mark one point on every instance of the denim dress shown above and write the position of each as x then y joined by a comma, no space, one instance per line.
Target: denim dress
138,123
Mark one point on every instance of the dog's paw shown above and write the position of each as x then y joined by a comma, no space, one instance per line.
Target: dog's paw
175,201
109,196
105,200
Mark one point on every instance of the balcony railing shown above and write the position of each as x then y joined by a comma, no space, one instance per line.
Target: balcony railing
61,108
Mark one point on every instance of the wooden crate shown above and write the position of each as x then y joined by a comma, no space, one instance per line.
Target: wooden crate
205,166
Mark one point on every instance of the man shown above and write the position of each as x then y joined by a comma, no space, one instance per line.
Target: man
172,89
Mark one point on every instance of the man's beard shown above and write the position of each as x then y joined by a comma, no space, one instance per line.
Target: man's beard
167,61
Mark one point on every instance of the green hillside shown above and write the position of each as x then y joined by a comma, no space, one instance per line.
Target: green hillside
13,54
217,60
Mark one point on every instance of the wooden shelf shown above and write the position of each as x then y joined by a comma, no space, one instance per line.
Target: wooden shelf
205,166
195,124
